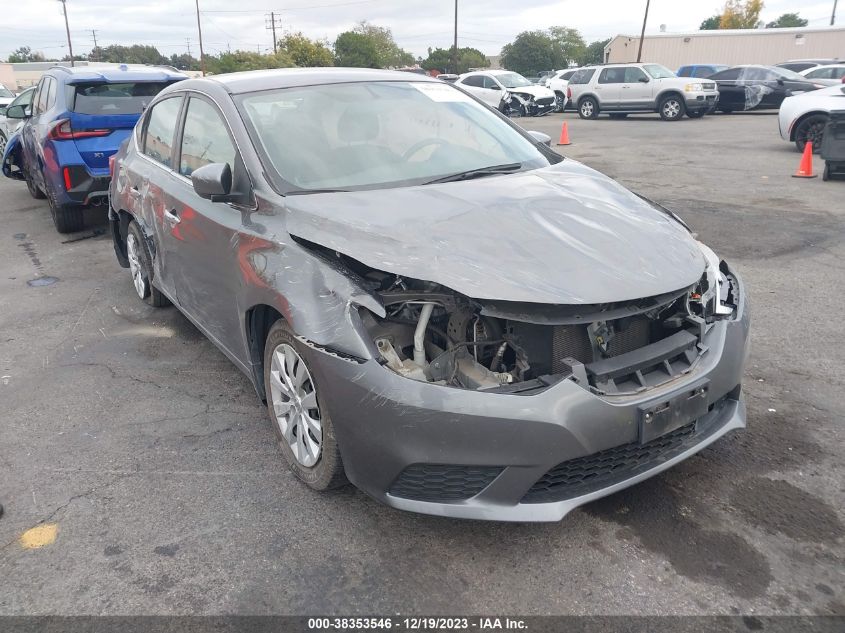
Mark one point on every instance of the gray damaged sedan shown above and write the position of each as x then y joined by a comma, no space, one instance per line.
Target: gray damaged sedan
435,306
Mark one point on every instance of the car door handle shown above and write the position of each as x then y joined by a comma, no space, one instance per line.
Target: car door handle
172,217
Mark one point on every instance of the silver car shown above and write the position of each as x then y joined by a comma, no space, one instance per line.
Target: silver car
10,126
434,305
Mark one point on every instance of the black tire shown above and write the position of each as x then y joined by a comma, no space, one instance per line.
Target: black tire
726,110
696,114
619,115
66,218
588,108
327,472
672,107
137,244
826,172
33,189
811,129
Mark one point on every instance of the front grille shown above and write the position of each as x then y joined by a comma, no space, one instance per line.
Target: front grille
443,482
570,341
586,474
708,86
632,337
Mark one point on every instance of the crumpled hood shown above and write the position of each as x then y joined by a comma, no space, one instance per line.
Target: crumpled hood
564,234
536,90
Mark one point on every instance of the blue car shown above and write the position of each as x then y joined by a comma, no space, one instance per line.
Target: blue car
77,120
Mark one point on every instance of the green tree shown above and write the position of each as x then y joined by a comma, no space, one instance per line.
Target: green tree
389,53
739,14
441,59
184,62
711,23
787,20
235,61
305,52
25,54
533,51
357,50
134,54
593,54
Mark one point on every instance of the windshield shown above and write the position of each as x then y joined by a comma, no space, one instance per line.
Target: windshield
5,92
512,80
658,72
371,135
114,98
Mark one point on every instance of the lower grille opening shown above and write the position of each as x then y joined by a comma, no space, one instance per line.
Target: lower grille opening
583,475
443,482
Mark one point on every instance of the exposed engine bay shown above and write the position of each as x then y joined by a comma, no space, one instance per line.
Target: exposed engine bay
433,334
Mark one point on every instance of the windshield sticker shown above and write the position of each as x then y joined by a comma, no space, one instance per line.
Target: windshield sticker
441,92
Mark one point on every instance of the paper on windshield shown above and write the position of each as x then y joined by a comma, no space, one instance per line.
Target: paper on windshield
441,92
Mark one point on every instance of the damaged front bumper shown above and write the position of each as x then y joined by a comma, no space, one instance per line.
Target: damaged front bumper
447,451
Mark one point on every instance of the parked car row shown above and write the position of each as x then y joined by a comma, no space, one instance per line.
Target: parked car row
339,235
69,126
509,92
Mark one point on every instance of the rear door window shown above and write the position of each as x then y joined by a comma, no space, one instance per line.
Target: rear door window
476,81
612,76
205,138
115,98
160,130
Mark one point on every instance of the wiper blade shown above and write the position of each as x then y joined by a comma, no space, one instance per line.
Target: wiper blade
301,192
478,173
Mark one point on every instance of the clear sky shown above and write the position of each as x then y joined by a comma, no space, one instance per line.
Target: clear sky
416,24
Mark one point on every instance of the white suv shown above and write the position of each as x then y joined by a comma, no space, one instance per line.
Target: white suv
623,89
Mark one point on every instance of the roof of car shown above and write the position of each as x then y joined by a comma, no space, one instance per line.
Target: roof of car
115,75
255,80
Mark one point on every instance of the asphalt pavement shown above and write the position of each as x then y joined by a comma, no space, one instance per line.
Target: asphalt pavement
148,468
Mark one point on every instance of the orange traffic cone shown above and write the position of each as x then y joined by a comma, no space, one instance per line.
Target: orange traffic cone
564,135
805,167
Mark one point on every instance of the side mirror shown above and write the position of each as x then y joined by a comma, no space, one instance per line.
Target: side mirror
780,81
213,181
545,139
17,112
643,80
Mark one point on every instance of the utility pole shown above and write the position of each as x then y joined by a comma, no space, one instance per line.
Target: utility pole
642,33
199,30
96,48
67,30
270,23
833,15
455,43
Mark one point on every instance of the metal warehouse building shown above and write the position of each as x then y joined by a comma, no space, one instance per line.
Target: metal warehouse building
732,47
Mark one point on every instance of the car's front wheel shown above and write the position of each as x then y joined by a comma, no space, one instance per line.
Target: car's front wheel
672,108
588,108
2,143
811,130
300,418
141,268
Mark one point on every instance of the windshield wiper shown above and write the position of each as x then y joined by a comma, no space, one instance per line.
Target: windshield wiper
477,173
300,192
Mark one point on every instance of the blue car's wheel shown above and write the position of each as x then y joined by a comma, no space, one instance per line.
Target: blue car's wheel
33,189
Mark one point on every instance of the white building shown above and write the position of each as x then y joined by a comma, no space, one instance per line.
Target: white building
730,46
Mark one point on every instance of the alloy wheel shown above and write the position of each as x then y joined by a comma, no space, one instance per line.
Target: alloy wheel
293,397
139,279
812,131
587,109
2,144
671,109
